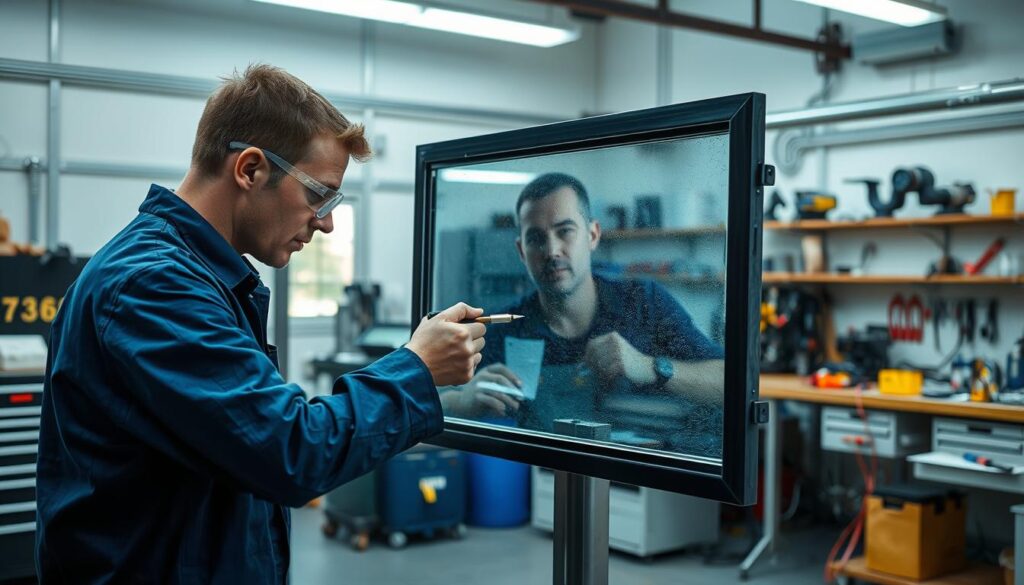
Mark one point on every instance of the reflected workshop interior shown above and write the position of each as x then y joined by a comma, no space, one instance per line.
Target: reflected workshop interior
520,254
750,276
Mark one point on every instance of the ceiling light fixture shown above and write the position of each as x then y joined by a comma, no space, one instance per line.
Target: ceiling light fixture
901,12
490,177
434,17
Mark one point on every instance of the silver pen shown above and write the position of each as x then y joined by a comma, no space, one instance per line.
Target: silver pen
485,319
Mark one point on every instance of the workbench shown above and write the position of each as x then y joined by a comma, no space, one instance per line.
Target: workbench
776,387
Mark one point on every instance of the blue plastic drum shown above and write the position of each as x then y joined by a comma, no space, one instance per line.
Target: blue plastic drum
499,492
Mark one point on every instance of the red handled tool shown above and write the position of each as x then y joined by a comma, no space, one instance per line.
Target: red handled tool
986,257
906,318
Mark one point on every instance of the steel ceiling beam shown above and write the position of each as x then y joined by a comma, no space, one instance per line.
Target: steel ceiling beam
662,15
198,87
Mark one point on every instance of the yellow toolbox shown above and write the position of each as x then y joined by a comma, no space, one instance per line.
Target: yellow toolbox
903,382
915,532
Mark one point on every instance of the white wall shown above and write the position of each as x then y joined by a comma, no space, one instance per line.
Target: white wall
211,39
705,66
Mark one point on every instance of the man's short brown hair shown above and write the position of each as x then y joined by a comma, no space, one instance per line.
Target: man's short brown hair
270,108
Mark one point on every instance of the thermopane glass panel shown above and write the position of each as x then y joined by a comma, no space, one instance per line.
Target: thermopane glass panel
615,258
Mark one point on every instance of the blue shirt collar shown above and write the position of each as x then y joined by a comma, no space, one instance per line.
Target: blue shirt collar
208,245
608,309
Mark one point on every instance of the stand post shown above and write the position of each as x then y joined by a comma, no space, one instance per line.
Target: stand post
581,517
772,464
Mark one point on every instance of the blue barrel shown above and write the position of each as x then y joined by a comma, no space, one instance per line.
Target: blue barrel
499,491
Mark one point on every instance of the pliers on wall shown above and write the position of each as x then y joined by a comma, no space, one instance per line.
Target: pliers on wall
906,318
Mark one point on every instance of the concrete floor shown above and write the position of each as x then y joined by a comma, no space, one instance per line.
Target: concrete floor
521,556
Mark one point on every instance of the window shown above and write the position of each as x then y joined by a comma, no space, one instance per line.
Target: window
321,270
686,429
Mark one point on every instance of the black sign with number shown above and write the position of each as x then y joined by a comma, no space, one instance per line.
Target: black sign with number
31,291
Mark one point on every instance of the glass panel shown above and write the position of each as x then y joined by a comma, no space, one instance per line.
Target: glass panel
615,257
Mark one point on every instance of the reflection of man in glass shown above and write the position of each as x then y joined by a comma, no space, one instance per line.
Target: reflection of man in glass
596,331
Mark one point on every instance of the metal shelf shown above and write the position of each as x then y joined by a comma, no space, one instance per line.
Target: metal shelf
679,278
658,233
894,222
831,278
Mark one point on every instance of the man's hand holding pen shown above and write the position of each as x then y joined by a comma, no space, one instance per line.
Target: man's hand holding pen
450,348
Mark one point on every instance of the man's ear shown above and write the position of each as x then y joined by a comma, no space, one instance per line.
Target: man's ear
595,234
251,170
519,248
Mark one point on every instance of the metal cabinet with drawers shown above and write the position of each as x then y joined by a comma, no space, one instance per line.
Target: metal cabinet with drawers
894,434
954,438
20,400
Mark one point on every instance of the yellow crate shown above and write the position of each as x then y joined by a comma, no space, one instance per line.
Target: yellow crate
902,382
916,540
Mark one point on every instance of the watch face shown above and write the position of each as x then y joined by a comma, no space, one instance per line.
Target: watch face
663,368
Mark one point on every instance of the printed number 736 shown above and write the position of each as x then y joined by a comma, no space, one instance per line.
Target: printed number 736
32,308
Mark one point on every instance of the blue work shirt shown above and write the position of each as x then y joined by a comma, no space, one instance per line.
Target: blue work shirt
646,315
170,447
641,311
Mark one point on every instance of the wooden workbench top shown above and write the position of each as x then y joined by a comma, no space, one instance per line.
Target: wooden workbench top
792,387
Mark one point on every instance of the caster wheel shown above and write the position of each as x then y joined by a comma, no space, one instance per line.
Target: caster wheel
397,539
360,541
330,529
744,575
458,531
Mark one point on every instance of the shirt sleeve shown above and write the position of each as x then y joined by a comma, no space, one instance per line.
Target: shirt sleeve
675,331
205,394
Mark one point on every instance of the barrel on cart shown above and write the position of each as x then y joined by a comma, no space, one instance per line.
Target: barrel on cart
351,511
420,492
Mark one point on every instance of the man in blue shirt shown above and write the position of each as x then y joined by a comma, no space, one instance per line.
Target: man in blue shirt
627,334
170,447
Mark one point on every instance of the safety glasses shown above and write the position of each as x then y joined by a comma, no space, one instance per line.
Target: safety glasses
319,197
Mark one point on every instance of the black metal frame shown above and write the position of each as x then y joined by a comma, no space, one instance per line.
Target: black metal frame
742,118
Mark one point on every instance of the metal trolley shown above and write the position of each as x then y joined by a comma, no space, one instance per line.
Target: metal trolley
420,492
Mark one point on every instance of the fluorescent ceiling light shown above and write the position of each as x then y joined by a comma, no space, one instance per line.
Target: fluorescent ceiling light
424,15
901,12
490,177
502,29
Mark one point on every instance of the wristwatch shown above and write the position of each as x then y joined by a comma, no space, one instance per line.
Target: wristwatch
663,370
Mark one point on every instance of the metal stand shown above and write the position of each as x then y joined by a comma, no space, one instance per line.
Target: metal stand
772,456
1018,544
581,517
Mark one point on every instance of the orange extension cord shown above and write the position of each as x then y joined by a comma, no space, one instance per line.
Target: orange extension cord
854,529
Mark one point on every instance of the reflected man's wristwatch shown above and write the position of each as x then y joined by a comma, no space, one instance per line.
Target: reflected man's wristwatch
663,370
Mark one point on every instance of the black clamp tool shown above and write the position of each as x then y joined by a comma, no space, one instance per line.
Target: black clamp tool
939,314
990,328
967,319
774,203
